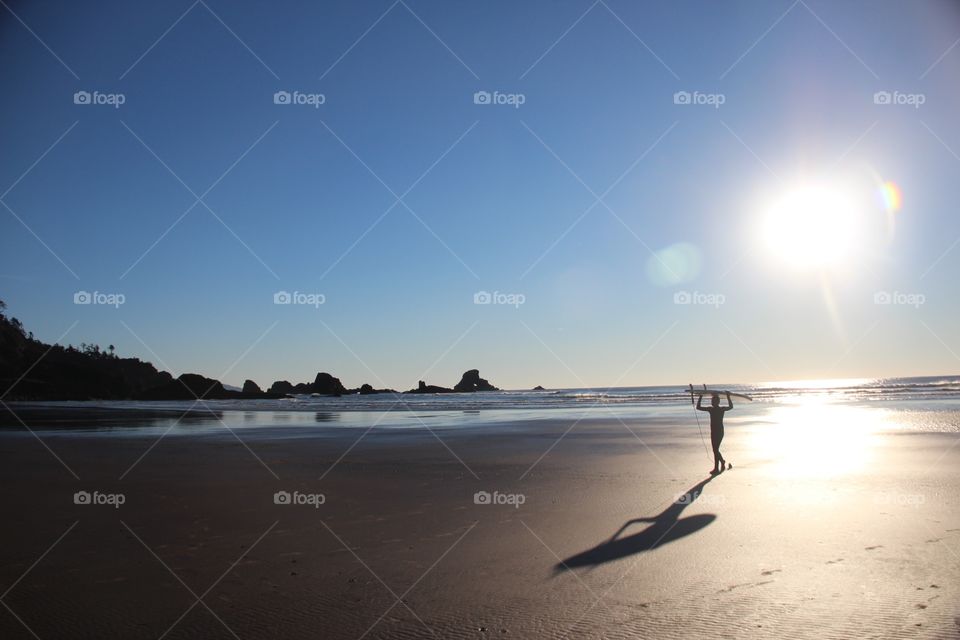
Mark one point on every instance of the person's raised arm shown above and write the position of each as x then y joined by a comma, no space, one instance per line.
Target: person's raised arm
729,402
699,400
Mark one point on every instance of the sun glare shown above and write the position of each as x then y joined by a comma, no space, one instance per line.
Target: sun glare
817,438
814,226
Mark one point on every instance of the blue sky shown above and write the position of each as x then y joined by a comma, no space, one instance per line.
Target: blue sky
300,196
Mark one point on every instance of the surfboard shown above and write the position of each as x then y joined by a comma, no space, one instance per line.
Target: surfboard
719,392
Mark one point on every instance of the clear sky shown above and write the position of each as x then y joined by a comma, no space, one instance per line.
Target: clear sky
399,197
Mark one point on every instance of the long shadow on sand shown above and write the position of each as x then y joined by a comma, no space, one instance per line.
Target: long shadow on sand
666,527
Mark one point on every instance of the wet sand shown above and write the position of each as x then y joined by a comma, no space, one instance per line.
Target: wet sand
611,534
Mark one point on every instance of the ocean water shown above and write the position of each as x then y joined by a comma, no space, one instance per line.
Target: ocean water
930,403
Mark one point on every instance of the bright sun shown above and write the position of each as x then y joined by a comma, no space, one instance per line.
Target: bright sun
814,226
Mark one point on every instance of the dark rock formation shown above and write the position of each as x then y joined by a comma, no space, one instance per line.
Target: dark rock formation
189,386
326,384
423,387
538,388
471,381
281,387
367,389
32,370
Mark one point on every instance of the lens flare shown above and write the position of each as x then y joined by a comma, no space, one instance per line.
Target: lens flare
673,265
892,198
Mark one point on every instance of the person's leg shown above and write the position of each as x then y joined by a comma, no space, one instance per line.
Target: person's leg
715,439
716,447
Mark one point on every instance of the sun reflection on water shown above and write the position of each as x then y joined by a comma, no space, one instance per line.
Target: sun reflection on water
818,438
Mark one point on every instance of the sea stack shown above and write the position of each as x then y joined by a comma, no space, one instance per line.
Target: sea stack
471,381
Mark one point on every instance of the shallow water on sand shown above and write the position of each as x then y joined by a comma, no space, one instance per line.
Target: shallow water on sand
313,417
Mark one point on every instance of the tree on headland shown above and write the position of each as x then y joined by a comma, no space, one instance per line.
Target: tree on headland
33,370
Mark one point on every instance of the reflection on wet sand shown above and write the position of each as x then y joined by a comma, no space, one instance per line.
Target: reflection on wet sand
818,437
102,419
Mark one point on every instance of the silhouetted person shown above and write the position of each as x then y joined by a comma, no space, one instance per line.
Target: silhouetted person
716,427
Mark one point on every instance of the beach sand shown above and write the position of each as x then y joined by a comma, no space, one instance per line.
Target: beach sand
401,549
